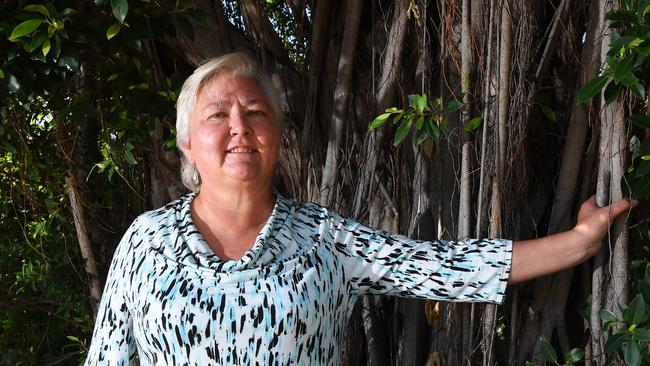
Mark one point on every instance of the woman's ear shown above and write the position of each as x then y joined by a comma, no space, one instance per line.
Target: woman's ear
186,149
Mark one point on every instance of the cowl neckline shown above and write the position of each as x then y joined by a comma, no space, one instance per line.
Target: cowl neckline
197,252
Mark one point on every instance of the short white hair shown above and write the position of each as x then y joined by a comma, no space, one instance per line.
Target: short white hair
236,63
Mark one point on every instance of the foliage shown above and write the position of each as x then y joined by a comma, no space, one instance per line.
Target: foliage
628,68
42,287
425,119
78,89
630,339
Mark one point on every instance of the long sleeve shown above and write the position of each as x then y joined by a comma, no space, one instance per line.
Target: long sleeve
113,342
378,262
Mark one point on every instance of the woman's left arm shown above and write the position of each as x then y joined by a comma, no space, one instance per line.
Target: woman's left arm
538,257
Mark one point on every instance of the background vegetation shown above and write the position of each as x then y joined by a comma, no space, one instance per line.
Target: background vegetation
496,118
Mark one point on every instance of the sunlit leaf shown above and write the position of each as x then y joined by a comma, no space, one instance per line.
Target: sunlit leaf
592,88
25,28
379,120
113,30
46,47
120,9
37,8
421,103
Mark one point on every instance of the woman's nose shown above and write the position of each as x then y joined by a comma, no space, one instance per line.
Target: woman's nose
239,124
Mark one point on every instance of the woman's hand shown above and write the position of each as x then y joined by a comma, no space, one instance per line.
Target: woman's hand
539,257
593,221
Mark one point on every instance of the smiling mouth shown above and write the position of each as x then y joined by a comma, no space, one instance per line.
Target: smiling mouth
241,150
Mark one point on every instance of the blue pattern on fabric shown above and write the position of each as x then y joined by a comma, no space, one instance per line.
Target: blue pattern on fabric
171,301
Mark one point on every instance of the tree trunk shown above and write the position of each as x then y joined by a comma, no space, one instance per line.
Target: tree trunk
341,100
94,280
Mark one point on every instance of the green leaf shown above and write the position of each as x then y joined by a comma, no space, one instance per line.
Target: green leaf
624,66
606,315
612,91
46,47
629,79
394,110
432,129
614,342
419,123
575,355
644,168
38,40
638,90
453,105
2,74
421,103
548,112
37,8
128,156
402,131
379,120
631,354
72,338
642,335
473,124
644,288
547,350
592,88
419,136
641,120
113,30
113,77
635,312
528,363
120,9
399,116
25,28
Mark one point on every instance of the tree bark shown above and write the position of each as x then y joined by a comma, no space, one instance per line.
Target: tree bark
94,280
341,100
549,310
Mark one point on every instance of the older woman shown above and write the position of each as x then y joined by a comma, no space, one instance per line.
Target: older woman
235,274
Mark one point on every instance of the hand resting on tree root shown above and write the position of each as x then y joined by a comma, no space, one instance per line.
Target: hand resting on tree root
539,257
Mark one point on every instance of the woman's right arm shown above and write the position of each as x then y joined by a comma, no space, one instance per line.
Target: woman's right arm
112,342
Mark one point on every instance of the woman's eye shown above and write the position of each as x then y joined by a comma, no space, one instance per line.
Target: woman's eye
217,115
256,113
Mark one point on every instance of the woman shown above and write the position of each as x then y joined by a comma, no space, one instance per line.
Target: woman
235,274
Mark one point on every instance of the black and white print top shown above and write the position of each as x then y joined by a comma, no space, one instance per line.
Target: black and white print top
171,301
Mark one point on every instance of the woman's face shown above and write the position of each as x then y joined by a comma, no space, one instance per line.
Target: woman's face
234,137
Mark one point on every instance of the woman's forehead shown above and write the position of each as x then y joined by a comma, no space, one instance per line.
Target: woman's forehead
221,90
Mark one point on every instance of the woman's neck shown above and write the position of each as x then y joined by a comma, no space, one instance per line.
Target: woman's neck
233,210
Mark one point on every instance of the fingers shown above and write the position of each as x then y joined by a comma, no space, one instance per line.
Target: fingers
617,208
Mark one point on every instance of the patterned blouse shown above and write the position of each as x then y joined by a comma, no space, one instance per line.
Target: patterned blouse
169,300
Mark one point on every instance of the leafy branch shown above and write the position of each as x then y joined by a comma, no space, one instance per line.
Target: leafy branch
425,119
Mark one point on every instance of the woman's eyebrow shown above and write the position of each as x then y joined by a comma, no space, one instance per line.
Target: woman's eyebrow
217,104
